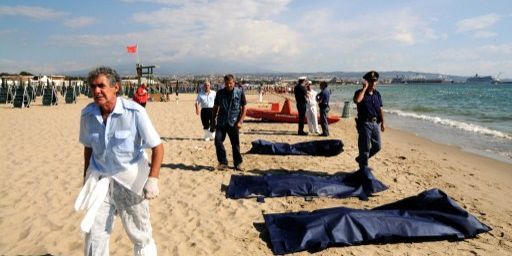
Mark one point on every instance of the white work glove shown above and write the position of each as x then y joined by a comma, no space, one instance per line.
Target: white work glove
151,188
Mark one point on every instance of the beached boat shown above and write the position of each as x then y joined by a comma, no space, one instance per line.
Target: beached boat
285,115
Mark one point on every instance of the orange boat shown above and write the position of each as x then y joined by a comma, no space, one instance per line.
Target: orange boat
286,115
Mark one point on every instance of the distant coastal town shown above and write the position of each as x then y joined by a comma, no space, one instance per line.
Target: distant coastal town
36,84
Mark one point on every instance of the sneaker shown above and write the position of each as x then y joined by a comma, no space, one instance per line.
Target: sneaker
206,135
222,167
239,167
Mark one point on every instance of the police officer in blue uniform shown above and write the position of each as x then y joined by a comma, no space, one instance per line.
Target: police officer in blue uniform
300,93
370,118
323,102
227,118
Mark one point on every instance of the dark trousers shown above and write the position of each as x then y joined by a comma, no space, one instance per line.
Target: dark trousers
301,108
368,142
323,121
206,117
220,136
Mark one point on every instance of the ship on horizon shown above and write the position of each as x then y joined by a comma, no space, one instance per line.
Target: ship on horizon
481,79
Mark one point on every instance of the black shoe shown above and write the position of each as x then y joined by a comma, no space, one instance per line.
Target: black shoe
302,133
357,159
324,135
239,167
222,167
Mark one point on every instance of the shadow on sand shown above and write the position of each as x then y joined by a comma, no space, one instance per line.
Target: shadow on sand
185,167
178,138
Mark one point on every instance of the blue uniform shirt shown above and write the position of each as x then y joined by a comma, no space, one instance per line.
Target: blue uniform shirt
369,107
300,94
206,100
324,97
119,144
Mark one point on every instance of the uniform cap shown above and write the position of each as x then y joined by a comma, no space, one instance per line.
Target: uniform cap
371,76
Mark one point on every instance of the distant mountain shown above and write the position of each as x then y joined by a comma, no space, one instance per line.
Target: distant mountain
210,66
205,66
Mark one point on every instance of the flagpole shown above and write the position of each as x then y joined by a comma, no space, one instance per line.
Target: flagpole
137,51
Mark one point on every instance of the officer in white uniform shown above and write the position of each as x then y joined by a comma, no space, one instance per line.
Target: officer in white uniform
311,109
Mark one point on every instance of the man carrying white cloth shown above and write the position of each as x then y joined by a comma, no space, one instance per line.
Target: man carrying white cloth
117,178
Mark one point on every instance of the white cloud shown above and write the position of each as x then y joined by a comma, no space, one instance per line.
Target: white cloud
501,49
5,32
492,52
42,13
192,13
477,23
404,37
89,40
264,34
15,66
166,2
402,26
488,59
34,12
79,22
248,32
225,30
484,34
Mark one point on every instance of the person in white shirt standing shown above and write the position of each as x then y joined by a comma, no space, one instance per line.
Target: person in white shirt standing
204,105
117,177
311,109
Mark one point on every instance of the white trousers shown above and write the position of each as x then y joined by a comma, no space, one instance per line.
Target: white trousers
134,212
312,117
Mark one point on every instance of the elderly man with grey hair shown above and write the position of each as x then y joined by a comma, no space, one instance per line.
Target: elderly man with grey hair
117,176
204,105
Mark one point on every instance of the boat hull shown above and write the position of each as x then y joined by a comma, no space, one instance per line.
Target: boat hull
283,116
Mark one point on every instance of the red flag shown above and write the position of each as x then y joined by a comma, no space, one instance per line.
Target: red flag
131,48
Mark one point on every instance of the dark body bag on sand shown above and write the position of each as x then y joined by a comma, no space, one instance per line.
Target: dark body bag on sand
312,148
429,216
360,184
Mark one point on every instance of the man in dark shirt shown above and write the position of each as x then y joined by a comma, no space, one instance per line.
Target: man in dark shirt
300,101
370,117
323,103
227,118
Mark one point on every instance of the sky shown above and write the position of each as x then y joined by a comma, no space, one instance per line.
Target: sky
456,37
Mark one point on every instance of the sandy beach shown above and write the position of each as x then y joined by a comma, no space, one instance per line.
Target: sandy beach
41,175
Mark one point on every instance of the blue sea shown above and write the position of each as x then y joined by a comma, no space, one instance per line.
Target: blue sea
475,117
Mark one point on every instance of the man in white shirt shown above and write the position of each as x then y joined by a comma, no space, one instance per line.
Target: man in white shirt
204,105
114,132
